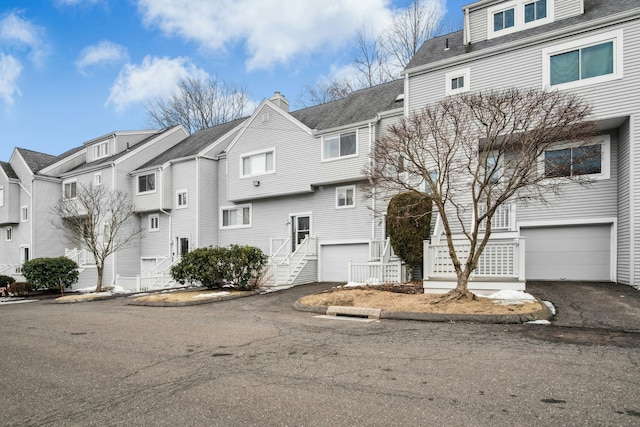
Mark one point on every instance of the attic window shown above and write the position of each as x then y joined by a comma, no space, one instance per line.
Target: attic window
101,150
516,15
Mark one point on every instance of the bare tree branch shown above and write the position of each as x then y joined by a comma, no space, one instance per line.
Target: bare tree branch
199,104
99,220
477,151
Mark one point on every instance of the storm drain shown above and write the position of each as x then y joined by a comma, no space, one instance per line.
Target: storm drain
360,312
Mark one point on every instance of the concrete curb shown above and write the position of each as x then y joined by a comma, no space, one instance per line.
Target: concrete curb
240,294
80,299
543,314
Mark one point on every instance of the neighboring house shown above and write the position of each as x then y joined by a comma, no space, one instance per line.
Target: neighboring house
587,47
31,183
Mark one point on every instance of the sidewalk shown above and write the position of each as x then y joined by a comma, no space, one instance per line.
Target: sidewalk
591,305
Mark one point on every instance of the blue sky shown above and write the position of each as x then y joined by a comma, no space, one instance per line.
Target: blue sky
74,70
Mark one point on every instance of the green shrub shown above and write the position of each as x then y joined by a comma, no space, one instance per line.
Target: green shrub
20,289
6,280
51,273
408,225
214,267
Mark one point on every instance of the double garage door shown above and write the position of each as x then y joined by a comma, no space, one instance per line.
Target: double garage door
580,252
335,258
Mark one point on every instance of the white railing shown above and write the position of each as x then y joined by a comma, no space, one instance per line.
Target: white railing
380,272
284,270
279,247
503,218
9,269
499,259
164,266
80,256
162,280
380,250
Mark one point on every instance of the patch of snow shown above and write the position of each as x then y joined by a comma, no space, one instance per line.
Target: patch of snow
87,290
508,297
212,294
551,307
538,322
353,284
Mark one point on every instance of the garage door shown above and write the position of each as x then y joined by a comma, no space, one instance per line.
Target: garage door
568,252
334,259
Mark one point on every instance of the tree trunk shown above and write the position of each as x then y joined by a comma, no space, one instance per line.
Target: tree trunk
100,269
460,293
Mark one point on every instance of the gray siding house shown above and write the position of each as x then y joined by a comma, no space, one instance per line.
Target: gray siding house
587,47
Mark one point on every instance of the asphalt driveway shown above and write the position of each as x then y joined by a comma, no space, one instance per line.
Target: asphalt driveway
594,305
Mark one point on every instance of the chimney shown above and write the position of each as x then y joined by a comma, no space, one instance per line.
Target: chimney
280,101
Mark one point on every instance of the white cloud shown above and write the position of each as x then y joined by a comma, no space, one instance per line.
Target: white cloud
10,69
76,2
153,78
271,31
17,32
104,52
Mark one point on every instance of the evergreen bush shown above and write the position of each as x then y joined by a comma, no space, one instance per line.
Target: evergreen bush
51,273
408,225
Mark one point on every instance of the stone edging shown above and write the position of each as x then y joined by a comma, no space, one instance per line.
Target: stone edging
543,314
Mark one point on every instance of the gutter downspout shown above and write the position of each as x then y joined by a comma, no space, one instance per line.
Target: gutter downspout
197,202
167,214
114,256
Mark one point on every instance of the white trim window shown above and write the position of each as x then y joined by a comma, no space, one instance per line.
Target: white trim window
458,81
258,163
101,150
517,15
24,213
97,179
340,146
591,159
69,189
235,217
1,196
182,199
147,183
154,222
590,60
8,234
346,197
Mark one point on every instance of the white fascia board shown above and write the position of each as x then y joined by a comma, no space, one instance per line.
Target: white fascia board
137,148
79,153
224,137
101,166
575,30
350,126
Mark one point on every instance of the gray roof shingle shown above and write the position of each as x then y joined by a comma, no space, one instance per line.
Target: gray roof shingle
8,170
36,160
356,107
433,50
193,144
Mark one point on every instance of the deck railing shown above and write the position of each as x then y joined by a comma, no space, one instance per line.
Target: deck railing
380,272
80,256
500,259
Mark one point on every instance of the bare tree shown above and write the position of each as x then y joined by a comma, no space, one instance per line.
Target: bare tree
98,219
370,59
324,91
477,151
420,21
199,104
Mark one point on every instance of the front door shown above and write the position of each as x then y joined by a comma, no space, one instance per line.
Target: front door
182,245
300,229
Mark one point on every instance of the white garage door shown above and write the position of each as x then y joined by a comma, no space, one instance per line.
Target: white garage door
568,253
335,258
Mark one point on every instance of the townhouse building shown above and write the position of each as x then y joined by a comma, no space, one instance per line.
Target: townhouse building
587,47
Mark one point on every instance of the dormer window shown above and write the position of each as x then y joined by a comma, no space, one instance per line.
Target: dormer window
101,150
535,10
504,19
516,15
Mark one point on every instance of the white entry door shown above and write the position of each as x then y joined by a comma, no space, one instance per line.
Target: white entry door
300,229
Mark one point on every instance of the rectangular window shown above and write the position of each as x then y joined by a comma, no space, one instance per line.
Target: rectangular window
9,234
573,161
591,60
182,198
258,163
345,197
69,189
535,10
457,81
340,146
97,179
236,217
1,196
24,213
154,222
101,150
147,183
493,168
504,19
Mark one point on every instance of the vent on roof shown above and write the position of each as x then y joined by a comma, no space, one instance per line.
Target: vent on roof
446,43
